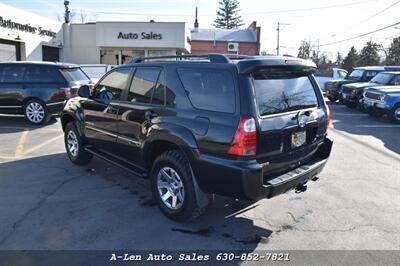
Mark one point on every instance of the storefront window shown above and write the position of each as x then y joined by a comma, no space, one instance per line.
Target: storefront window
109,56
160,52
128,55
8,52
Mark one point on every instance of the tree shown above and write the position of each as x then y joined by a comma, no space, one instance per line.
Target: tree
351,60
304,50
228,15
369,55
393,57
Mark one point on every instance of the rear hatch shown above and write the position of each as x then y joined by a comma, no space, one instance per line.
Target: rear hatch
75,78
291,118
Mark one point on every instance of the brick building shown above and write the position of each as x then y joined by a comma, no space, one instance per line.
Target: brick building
232,41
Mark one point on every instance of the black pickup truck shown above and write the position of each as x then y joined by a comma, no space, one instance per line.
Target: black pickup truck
201,125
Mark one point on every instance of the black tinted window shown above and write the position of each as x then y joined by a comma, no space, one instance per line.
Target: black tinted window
283,92
209,89
43,74
74,74
145,87
11,73
112,86
369,75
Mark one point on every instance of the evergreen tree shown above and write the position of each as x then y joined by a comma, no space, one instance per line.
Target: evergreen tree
393,57
351,60
369,55
304,50
228,15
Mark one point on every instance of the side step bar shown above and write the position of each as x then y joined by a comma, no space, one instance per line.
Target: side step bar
128,166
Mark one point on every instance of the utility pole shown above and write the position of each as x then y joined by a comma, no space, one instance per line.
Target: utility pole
278,33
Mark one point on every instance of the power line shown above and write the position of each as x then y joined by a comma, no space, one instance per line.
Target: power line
361,35
204,15
369,18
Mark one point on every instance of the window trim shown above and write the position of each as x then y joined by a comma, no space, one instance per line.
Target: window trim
162,72
234,82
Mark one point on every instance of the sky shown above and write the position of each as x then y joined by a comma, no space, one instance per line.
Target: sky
321,22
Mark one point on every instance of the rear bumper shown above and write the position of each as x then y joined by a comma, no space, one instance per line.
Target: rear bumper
245,179
55,107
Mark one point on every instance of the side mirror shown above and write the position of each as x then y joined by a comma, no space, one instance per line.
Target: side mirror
84,91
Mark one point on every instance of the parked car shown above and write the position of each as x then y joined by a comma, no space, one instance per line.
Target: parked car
352,94
358,74
38,89
323,77
248,129
382,100
96,71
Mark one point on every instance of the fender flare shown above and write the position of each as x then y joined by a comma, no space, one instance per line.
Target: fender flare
184,139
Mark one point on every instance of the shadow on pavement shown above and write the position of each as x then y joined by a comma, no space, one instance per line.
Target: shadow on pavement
18,123
358,123
53,204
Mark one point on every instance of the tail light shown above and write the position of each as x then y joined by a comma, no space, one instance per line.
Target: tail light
68,92
328,117
245,141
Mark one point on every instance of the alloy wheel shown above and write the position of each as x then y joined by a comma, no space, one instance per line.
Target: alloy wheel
35,112
397,114
170,188
72,143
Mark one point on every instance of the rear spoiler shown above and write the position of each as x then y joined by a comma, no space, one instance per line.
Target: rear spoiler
253,64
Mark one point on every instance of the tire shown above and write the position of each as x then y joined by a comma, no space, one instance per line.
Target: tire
173,167
351,104
36,112
394,114
74,146
332,99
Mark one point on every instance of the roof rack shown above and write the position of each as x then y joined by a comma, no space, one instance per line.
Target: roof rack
214,58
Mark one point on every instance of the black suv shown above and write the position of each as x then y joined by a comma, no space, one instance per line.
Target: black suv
38,89
250,129
358,74
352,94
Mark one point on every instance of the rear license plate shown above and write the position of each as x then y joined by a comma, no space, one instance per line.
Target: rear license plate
298,139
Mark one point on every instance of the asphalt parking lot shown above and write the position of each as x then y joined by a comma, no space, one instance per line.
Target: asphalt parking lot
46,202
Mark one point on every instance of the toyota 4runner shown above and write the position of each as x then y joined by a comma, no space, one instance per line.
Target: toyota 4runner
249,129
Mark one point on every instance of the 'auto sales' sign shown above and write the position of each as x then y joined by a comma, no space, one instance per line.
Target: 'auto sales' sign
143,36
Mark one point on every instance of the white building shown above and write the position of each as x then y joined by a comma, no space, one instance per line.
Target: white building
27,36
119,42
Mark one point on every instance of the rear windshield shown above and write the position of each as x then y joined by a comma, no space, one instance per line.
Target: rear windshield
94,71
279,92
74,74
209,89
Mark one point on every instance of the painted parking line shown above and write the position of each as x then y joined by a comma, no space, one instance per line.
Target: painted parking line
347,114
20,146
37,147
378,126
